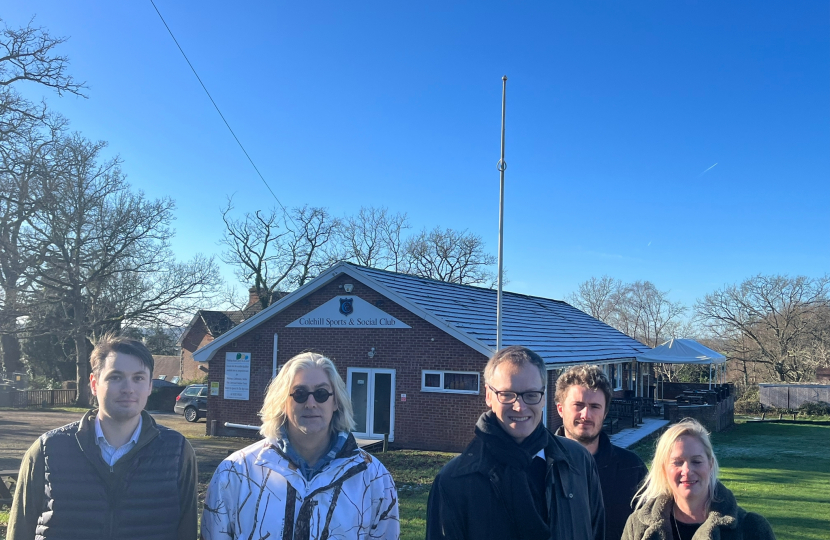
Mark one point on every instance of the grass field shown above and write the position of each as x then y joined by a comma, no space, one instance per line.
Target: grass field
781,471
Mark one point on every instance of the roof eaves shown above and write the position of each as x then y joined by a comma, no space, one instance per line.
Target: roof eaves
205,354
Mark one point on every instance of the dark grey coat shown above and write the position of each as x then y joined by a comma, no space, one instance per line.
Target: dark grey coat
726,521
466,500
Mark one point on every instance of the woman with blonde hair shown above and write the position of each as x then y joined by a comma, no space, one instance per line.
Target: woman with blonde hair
682,498
307,478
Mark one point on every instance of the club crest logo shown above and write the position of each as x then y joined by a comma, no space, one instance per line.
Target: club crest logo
347,306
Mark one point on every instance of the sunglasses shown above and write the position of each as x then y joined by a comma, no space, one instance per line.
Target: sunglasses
321,395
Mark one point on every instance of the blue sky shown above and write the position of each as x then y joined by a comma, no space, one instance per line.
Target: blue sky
615,110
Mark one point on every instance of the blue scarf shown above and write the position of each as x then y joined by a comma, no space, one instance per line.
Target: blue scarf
309,471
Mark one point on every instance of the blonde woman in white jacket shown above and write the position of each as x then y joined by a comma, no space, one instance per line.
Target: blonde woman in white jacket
307,479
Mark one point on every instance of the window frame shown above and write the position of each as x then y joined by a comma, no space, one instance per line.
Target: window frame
440,389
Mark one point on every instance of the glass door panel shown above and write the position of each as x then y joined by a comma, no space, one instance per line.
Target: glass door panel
359,391
382,404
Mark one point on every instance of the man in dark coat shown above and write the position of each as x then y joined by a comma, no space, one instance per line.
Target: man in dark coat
114,474
583,394
516,480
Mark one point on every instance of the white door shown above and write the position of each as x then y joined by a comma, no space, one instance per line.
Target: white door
373,400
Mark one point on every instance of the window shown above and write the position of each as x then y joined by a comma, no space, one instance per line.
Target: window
175,380
615,375
456,382
162,377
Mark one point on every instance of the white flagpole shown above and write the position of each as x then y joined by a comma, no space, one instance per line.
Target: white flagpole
501,166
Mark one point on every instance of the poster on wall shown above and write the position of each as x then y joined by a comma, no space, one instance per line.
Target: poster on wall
237,375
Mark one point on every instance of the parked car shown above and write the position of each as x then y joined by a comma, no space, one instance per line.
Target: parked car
192,402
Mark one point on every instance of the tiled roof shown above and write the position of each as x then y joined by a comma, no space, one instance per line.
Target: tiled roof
557,331
219,322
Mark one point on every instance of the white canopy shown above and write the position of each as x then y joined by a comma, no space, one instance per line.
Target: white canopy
682,351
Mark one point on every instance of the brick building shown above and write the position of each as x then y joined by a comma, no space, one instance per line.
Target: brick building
412,351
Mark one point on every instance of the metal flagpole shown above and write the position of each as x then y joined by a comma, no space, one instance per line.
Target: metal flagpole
501,166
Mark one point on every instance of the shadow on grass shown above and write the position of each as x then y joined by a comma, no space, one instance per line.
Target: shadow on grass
798,527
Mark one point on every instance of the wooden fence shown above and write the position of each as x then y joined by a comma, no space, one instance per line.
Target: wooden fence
39,398
792,396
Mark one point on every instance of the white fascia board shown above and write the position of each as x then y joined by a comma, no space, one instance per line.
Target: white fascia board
205,354
566,365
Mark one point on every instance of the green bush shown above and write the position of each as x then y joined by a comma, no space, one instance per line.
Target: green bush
815,408
750,407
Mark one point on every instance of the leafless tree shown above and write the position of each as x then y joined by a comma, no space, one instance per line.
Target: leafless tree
26,159
27,131
638,309
374,238
273,251
107,258
30,54
778,322
599,297
451,256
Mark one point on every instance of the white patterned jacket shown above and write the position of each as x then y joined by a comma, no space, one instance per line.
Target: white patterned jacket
258,493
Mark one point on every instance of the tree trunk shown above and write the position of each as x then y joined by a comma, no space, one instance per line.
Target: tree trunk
82,351
11,354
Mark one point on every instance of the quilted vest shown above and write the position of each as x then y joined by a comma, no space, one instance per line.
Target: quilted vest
86,498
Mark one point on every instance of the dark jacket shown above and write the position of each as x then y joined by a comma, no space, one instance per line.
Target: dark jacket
66,490
466,500
726,521
620,473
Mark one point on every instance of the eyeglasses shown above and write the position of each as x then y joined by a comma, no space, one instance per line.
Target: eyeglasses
321,395
531,397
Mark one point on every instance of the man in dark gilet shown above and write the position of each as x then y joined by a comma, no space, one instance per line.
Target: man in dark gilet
113,474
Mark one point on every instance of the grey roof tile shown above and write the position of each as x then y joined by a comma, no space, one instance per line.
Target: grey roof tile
557,331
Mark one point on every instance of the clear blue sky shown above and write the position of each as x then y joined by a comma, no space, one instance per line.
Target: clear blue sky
615,110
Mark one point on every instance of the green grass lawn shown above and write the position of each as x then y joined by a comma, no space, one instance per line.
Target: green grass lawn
781,471
413,472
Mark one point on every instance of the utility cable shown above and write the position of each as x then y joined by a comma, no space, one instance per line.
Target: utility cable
221,115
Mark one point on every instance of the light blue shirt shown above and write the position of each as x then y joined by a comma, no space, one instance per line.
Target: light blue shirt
110,453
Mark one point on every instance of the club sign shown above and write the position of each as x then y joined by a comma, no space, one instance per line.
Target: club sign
347,312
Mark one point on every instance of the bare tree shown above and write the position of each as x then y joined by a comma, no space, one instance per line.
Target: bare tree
107,259
638,309
25,158
599,298
27,132
777,322
30,54
374,238
272,251
451,256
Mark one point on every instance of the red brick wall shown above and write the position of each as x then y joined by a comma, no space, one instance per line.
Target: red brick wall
196,338
427,420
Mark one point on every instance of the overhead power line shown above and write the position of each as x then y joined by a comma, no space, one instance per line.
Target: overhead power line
220,113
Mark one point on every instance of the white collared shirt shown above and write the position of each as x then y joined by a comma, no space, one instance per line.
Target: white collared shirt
108,451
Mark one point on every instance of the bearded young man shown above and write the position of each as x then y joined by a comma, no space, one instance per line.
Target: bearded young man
114,474
515,479
583,394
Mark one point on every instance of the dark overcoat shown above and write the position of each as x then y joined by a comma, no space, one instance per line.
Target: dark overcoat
467,500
